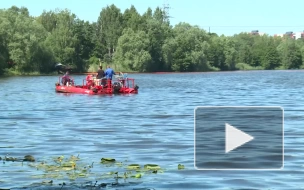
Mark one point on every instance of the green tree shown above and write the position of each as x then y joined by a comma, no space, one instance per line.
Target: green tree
84,44
132,19
62,40
134,42
187,49
110,24
132,51
290,54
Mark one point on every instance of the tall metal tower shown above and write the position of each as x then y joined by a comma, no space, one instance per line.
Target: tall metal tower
166,8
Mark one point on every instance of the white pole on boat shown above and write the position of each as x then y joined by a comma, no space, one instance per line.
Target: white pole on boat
99,61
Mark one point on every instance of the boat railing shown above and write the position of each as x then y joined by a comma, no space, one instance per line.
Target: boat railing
121,76
96,82
127,83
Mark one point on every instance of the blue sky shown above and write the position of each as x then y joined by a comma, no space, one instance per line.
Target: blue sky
226,17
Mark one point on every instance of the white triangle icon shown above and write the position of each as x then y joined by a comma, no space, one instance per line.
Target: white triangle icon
235,138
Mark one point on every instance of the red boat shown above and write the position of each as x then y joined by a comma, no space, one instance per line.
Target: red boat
98,86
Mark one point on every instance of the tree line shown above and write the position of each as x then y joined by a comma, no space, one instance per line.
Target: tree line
130,41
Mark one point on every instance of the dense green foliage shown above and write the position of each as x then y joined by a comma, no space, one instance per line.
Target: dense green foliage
133,42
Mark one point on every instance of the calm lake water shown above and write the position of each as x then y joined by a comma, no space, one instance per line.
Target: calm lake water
155,126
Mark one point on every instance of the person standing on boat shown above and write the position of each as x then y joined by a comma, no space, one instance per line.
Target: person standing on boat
66,78
109,73
100,73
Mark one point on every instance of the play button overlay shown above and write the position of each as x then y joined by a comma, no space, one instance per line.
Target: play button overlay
238,138
235,138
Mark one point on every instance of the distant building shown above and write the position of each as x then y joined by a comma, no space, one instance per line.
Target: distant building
298,35
279,35
289,34
294,35
256,32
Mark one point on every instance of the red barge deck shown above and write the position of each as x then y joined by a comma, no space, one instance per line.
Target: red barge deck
98,86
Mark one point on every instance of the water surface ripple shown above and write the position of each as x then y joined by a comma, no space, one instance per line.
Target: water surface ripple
154,126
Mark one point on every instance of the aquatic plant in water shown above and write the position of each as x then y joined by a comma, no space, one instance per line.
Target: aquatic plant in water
77,170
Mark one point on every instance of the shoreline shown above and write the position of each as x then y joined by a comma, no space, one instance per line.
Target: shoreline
132,72
197,72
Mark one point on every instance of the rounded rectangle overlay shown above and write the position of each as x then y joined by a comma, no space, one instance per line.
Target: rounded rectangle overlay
239,138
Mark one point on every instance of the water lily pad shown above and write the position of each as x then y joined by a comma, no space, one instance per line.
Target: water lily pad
29,158
107,160
152,167
137,176
68,164
82,175
59,167
180,166
133,166
10,159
